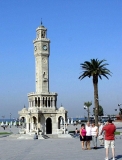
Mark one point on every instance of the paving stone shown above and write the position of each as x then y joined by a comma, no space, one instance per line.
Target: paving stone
12,148
51,149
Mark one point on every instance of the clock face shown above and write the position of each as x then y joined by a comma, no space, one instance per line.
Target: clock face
44,47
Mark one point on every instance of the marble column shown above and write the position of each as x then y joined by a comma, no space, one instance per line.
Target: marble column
64,126
27,127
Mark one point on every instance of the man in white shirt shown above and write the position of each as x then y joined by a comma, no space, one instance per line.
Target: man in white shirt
88,135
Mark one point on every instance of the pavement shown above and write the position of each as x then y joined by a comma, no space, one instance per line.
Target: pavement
12,148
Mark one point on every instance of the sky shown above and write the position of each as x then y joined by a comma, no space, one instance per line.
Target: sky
79,30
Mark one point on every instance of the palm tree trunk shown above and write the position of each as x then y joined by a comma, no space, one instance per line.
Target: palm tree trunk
96,102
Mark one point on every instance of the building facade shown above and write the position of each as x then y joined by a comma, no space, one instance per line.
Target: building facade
42,113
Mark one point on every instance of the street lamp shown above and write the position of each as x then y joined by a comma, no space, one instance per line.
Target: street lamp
86,106
87,109
120,109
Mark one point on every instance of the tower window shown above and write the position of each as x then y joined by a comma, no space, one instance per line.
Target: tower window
43,34
35,102
43,101
38,102
48,102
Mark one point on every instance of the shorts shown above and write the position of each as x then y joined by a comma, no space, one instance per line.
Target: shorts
88,138
109,143
83,139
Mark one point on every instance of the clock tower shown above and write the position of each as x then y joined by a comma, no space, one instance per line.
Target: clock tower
42,113
41,52
42,98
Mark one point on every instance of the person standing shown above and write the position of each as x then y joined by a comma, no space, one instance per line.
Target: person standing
88,135
100,136
35,136
94,135
82,135
76,132
109,129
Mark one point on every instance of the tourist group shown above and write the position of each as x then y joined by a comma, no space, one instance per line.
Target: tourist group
105,134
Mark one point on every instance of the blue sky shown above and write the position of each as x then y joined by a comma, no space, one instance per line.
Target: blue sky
79,30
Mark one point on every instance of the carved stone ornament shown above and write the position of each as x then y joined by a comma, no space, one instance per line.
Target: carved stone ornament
44,60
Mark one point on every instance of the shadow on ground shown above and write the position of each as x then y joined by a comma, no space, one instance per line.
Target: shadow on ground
100,147
119,156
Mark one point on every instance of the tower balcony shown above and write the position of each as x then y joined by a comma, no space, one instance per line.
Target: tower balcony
43,100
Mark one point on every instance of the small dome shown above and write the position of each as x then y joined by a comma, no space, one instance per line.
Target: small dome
61,108
41,27
24,109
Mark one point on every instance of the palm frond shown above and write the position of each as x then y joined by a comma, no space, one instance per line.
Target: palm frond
94,67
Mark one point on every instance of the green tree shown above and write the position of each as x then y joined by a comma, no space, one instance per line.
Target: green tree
95,69
101,112
88,104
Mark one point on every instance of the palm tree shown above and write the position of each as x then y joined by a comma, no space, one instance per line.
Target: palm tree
96,69
88,104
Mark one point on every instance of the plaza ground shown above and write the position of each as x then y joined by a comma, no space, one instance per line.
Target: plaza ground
52,149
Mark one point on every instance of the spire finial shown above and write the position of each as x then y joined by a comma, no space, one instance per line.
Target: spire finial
41,21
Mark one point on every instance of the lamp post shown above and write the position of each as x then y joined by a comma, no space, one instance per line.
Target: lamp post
120,109
86,106
87,109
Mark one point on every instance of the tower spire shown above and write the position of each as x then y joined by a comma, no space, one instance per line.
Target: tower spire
41,21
